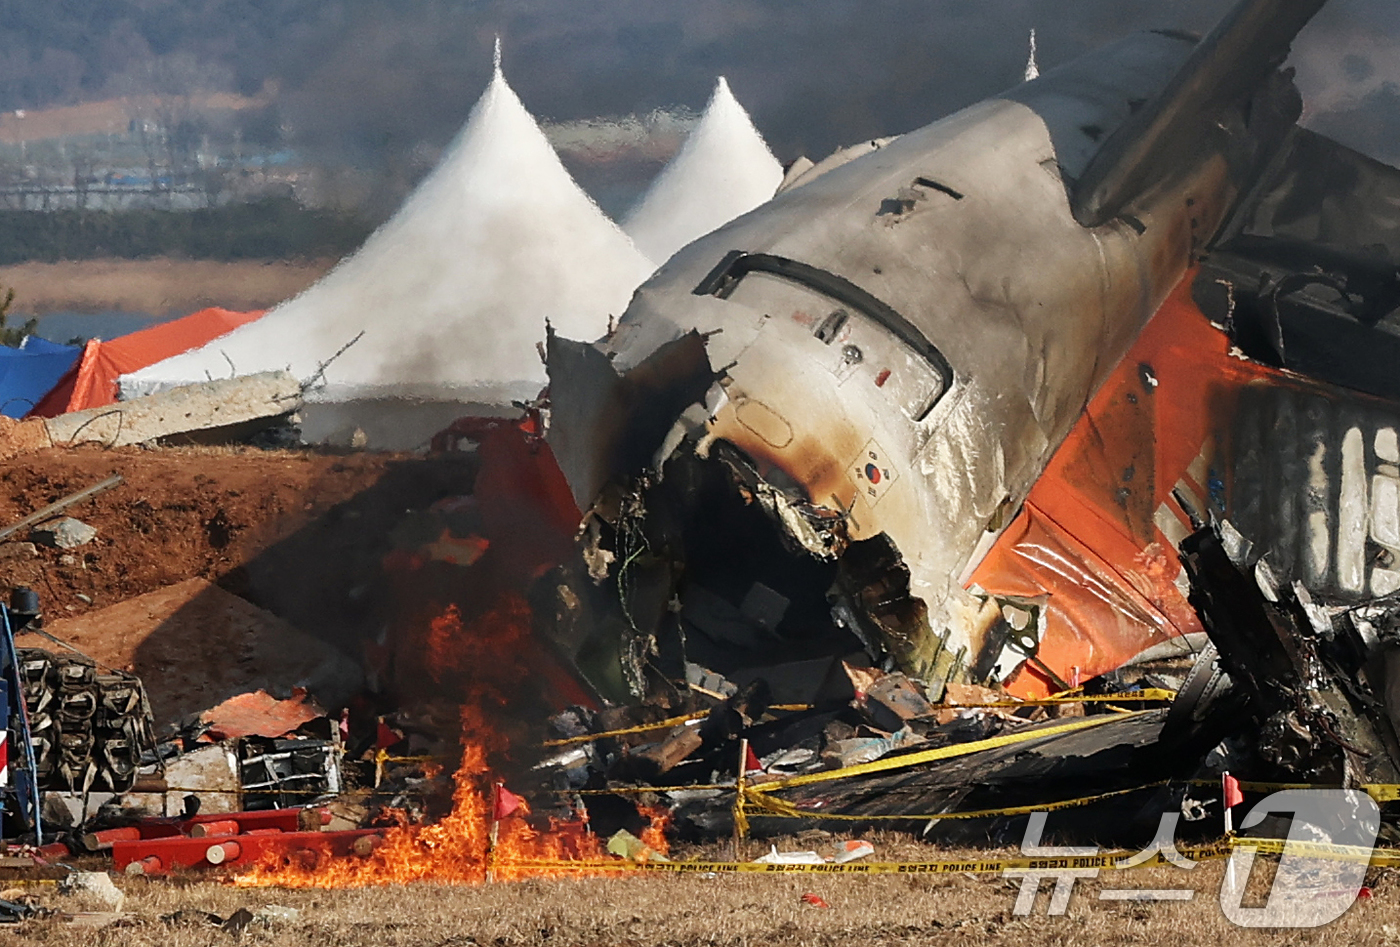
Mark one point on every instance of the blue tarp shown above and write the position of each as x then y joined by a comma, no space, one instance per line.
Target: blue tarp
28,372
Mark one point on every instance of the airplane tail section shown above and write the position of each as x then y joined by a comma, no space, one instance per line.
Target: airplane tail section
1231,67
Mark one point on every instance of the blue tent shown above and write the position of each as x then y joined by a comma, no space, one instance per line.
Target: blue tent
28,372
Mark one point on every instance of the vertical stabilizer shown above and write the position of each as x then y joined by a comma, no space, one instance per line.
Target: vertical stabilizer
1227,68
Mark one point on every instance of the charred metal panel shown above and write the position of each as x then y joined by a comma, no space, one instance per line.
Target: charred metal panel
1306,275
607,425
1315,488
1321,716
1321,196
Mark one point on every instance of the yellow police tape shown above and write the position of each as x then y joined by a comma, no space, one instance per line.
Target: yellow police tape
783,809
758,796
1108,860
1378,858
1069,697
1119,860
755,794
1147,694
643,728
941,753
642,790
659,725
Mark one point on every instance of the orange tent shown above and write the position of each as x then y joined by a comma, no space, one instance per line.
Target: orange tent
92,382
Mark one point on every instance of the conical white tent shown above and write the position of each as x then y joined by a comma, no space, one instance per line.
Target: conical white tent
723,170
452,293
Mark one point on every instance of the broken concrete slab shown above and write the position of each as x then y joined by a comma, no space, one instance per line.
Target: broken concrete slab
64,533
96,885
209,773
190,408
241,648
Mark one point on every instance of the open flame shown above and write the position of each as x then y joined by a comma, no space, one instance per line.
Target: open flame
457,850
490,659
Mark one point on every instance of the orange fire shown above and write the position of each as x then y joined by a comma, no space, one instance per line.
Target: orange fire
490,659
457,850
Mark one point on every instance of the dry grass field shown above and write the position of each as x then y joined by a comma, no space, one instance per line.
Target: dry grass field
684,910
160,286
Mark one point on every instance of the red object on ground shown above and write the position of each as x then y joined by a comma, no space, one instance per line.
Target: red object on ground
814,900
1231,786
92,381
386,736
280,820
173,853
150,865
751,761
258,714
213,829
102,839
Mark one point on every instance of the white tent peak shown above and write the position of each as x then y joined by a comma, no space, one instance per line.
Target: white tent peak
496,59
723,170
1032,67
454,291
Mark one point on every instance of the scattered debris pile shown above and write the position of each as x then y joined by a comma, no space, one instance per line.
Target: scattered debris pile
1315,678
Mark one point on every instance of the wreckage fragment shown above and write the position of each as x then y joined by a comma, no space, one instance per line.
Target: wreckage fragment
88,725
1316,686
856,354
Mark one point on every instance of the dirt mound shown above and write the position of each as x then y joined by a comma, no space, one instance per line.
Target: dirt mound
204,645
181,513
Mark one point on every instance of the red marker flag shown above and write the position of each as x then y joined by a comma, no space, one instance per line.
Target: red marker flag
386,736
751,762
506,802
1231,787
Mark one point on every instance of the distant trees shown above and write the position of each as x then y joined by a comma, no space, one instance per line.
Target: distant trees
12,336
272,228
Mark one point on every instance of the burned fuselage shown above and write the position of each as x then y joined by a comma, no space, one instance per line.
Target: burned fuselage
810,424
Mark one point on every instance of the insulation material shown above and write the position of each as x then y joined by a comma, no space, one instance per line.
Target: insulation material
723,170
92,382
453,293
